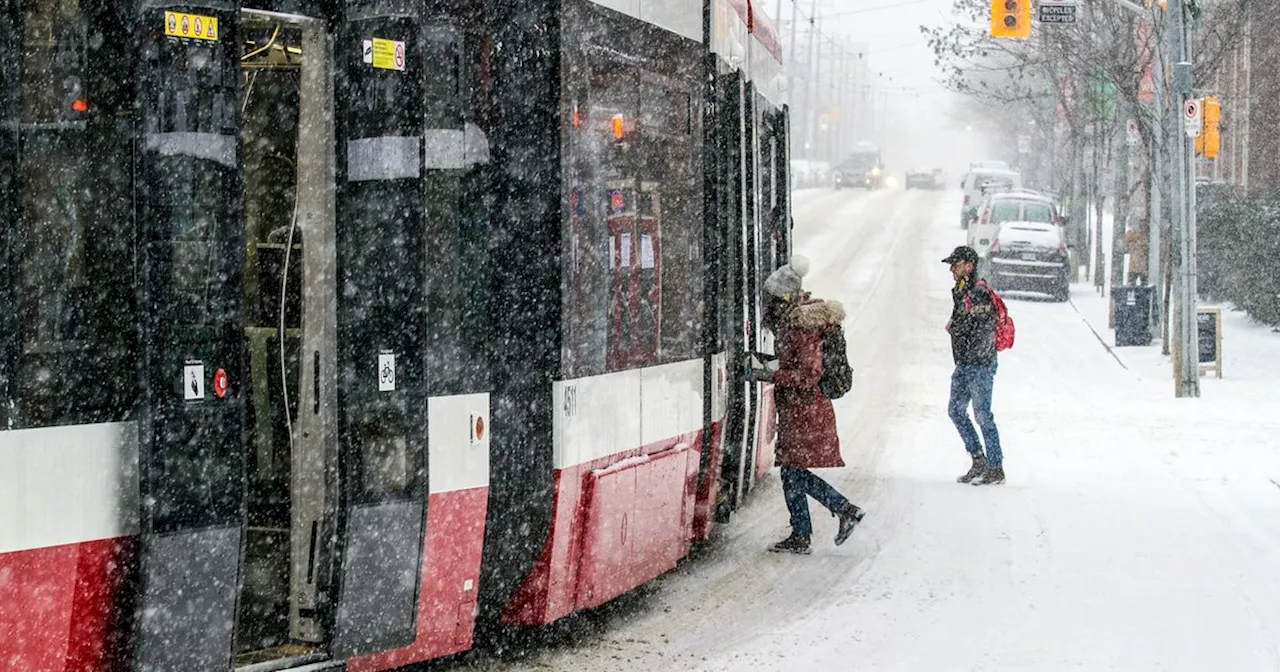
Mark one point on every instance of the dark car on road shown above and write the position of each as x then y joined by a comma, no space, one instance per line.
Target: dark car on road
924,178
864,168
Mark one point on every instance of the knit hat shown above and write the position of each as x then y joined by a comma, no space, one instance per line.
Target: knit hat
785,282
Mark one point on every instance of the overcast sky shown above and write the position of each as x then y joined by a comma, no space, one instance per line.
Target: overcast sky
923,133
891,30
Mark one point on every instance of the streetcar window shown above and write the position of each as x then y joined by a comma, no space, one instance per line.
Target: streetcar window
458,203
633,230
765,181
387,467
441,81
665,110
69,217
10,43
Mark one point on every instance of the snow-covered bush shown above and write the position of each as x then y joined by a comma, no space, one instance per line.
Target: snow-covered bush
1238,250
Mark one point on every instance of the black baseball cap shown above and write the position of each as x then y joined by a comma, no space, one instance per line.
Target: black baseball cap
962,253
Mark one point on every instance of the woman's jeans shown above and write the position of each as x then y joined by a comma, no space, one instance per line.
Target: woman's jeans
797,485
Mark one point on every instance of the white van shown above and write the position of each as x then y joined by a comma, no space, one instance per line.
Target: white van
980,182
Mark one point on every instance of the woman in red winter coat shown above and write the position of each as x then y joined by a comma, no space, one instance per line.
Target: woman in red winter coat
807,437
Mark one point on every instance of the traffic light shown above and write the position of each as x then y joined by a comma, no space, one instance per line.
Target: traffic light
1212,136
1010,18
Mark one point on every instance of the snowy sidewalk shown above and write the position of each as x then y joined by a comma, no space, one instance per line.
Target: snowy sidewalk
1251,352
1136,532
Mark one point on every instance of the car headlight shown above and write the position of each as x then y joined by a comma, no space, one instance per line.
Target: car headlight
875,171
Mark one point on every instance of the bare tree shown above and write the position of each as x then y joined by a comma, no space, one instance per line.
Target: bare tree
1079,83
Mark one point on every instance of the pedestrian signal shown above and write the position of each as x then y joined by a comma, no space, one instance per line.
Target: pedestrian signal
1011,18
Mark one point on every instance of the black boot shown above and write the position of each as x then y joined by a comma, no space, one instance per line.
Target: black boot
979,466
849,519
991,476
796,543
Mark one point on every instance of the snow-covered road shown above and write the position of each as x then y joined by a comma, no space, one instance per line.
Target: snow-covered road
1136,532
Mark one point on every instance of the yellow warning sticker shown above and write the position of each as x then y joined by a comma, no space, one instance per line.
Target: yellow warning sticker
177,24
384,54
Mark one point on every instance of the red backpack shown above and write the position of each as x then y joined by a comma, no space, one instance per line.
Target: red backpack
1004,324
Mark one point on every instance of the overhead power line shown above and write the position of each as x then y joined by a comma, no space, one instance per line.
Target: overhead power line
877,8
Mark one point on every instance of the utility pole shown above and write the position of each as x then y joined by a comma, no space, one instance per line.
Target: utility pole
844,110
815,57
1169,181
841,113
1186,351
790,67
1248,97
1123,161
807,106
1155,218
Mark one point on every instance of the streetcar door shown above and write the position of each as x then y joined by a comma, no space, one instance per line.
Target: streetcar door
782,159
190,312
289,340
739,327
753,282
381,270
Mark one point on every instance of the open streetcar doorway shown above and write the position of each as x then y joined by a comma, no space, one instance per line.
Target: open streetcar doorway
286,100
288,509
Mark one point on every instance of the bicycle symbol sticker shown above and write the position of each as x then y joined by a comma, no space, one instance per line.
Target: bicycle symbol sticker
386,372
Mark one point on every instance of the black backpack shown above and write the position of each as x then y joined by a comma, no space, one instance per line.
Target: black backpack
837,375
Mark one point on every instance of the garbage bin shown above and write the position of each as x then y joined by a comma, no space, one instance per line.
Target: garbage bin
1133,314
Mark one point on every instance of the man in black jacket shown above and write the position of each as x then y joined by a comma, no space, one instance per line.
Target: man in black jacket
973,347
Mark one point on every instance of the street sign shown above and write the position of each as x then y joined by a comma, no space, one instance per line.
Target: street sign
1058,11
1131,135
1191,117
1024,144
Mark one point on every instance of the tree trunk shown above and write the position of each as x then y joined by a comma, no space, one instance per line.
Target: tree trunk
1124,171
1166,260
1100,258
1079,212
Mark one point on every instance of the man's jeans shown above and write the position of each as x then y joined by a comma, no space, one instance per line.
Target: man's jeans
797,484
972,382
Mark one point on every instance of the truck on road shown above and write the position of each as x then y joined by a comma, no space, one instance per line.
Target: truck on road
863,168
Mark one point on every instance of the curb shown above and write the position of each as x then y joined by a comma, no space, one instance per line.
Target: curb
1110,351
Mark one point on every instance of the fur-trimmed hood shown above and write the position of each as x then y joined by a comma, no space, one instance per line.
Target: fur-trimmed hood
816,314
